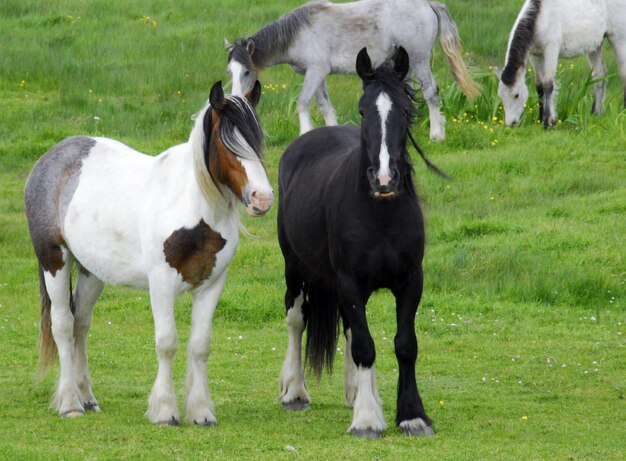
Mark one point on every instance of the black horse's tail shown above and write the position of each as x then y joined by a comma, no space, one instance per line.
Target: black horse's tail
321,313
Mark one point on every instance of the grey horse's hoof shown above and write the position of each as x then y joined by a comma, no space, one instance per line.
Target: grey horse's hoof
169,422
90,406
296,405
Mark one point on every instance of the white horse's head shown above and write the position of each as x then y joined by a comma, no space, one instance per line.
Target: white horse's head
514,96
242,70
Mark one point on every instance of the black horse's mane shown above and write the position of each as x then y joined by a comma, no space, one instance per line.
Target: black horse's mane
521,43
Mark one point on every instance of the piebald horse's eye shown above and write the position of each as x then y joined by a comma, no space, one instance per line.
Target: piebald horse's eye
516,96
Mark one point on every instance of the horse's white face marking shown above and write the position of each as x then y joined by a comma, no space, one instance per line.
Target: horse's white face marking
513,100
383,103
242,79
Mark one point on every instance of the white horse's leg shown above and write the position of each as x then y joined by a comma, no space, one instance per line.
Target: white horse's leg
67,396
421,70
88,290
550,61
598,71
293,392
323,102
162,408
198,404
312,80
350,374
618,42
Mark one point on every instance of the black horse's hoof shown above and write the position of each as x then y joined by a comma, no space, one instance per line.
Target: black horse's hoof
417,427
296,405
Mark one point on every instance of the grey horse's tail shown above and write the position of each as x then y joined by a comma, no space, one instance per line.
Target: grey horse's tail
47,347
451,44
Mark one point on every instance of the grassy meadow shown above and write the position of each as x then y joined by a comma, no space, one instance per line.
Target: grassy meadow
522,324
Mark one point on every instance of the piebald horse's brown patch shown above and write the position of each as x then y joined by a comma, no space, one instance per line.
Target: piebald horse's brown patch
192,252
223,164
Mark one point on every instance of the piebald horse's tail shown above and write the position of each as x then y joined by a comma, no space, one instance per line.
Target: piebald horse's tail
47,346
451,44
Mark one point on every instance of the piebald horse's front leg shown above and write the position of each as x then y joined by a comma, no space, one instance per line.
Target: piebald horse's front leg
198,404
162,408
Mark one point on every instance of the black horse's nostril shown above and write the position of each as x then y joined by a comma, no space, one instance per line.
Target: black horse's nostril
371,175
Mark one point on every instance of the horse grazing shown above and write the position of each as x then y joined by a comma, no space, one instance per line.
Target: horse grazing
322,38
349,223
167,224
547,29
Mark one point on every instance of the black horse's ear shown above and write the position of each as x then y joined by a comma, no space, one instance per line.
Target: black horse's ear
216,97
401,63
255,94
250,47
364,66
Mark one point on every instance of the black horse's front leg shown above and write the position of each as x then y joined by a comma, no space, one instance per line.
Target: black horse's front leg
410,413
361,389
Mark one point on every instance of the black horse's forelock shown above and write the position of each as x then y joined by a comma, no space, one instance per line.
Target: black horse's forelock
276,37
521,43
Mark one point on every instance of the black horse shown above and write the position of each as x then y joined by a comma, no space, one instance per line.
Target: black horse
349,223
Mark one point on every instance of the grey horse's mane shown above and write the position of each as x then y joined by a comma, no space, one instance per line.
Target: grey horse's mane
277,36
521,43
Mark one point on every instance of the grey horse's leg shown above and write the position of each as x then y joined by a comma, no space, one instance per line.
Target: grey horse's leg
313,78
323,102
598,72
421,70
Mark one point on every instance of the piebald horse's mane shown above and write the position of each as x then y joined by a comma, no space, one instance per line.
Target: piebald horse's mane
239,131
521,42
274,38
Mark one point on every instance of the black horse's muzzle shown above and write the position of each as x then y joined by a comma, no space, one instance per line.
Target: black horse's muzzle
383,191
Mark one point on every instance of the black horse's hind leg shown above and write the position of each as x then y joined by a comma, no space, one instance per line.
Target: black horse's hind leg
293,390
410,413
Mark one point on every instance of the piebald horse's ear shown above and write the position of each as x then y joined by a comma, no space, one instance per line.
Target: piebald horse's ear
250,47
255,94
364,66
216,97
401,63
229,46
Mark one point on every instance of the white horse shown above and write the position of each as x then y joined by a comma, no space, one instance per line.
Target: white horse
547,29
167,224
322,38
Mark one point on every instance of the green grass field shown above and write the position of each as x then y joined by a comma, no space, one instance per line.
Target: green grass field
521,326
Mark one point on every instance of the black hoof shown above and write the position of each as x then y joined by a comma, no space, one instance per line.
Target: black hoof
296,405
170,422
205,422
366,433
90,406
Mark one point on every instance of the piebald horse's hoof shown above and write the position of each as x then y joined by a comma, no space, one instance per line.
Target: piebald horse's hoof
366,433
205,423
170,422
296,405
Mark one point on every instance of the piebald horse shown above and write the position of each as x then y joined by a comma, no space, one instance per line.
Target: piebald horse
167,224
321,38
547,29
